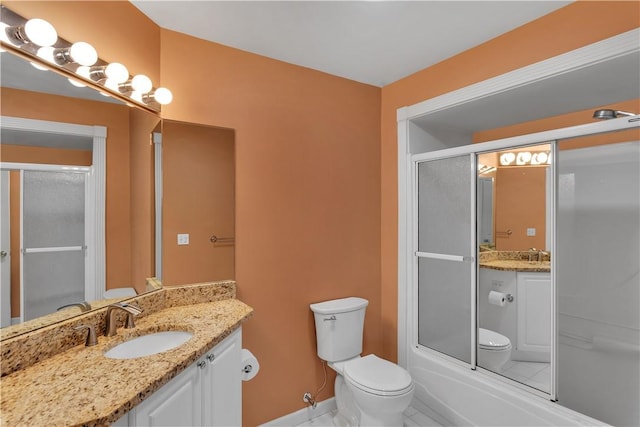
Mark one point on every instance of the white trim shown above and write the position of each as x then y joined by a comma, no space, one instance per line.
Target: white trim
43,167
404,255
157,153
601,51
95,203
5,245
303,415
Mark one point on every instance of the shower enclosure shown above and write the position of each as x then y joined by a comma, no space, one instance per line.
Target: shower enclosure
592,294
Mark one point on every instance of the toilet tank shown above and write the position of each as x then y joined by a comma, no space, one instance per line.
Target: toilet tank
339,327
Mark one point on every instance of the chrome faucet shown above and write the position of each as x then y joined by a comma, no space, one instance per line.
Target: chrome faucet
84,306
541,255
531,252
131,310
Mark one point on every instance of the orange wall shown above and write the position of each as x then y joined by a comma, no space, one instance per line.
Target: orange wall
576,25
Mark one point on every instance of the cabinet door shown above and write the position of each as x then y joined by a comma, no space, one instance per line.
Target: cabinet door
177,403
534,313
222,383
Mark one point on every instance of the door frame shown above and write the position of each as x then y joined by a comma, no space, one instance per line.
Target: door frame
95,238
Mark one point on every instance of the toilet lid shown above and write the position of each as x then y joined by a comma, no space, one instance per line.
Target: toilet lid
491,340
377,376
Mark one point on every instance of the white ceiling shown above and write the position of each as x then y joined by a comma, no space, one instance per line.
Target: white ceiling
373,42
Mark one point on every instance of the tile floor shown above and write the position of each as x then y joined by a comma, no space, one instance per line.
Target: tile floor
534,374
412,418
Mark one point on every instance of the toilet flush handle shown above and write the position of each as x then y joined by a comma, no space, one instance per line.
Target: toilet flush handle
330,318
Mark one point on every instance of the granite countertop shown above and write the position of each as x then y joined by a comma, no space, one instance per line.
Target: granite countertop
517,265
81,386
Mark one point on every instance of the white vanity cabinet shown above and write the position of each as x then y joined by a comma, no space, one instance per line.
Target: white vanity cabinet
534,316
207,393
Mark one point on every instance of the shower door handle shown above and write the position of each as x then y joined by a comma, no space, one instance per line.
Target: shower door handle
3,254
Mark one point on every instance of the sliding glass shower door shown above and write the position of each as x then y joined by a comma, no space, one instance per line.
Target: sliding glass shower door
598,282
53,241
444,257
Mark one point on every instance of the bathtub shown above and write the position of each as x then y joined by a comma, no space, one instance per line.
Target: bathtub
456,396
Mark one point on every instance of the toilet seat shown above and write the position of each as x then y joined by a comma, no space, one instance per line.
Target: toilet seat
492,341
374,375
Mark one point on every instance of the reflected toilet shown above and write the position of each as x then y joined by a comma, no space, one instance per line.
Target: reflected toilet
494,350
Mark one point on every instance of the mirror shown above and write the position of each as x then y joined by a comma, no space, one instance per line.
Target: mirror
514,283
28,93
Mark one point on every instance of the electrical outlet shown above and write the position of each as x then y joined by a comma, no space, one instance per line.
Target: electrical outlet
531,231
183,239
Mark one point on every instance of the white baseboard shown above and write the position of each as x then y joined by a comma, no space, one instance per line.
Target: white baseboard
303,415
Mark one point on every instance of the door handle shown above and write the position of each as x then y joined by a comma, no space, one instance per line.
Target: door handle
3,254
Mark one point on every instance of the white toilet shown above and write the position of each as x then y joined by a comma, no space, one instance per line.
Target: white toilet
370,391
494,350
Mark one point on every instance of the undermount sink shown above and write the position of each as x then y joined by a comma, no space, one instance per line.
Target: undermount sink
147,345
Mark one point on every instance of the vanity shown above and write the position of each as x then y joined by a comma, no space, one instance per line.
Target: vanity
195,383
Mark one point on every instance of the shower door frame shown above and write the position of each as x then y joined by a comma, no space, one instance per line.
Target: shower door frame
408,251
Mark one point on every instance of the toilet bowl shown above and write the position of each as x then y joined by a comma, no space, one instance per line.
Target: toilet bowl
371,391
494,350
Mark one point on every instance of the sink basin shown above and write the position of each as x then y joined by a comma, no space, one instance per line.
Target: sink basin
147,345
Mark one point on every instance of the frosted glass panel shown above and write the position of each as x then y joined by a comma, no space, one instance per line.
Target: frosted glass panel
444,206
444,230
444,300
52,280
598,281
53,209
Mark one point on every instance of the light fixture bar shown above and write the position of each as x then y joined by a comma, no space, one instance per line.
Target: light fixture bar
37,41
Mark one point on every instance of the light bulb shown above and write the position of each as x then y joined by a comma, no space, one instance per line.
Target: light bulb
46,53
136,96
163,96
76,83
3,34
117,72
38,66
40,32
83,71
83,53
111,84
141,83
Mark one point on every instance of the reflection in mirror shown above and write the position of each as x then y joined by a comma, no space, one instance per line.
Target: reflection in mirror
128,245
514,282
198,170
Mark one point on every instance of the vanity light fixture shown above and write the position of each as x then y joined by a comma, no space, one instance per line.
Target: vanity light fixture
36,31
36,38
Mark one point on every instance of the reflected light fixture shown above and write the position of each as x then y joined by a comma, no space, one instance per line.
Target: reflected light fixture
610,114
525,158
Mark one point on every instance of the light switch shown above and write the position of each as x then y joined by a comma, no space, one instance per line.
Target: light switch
183,239
531,231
